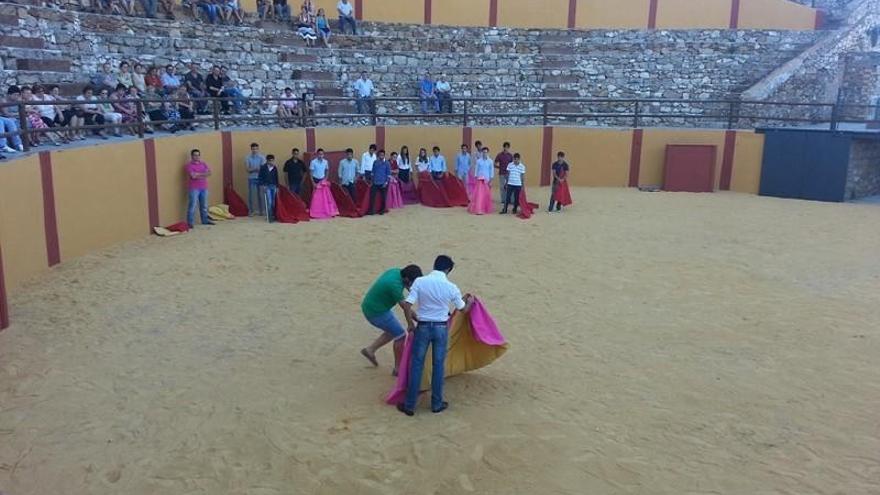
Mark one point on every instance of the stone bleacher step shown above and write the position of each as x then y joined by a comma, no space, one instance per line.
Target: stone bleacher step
561,93
40,65
313,75
299,58
7,41
324,91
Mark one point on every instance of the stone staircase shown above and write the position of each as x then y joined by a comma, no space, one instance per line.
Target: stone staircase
65,48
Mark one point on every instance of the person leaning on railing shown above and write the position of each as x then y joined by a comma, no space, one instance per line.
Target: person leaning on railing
125,107
49,112
9,124
111,116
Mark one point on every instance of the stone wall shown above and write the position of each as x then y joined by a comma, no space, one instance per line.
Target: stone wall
860,85
498,62
815,76
863,174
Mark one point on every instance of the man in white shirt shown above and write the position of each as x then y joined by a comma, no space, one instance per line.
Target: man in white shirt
433,294
444,94
366,167
346,16
437,164
363,92
516,172
318,167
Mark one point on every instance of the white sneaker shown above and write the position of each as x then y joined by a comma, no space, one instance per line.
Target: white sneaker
7,149
21,148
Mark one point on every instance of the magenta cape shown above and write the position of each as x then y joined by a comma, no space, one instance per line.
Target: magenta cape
395,196
474,342
323,206
481,200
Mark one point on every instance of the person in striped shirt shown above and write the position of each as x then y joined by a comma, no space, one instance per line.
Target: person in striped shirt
516,172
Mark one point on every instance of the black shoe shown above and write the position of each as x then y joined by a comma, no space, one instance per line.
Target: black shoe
191,226
444,406
404,411
504,211
209,222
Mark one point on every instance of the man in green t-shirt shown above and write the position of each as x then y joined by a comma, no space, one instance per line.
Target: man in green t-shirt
378,306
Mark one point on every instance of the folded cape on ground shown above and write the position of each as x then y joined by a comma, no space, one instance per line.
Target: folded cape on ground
323,206
171,230
563,194
474,342
344,203
220,212
455,190
430,192
526,208
289,208
237,206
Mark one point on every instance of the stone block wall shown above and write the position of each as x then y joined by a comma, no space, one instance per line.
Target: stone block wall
860,85
863,174
816,75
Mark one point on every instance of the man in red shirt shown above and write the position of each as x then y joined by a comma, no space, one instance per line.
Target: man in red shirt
502,160
198,173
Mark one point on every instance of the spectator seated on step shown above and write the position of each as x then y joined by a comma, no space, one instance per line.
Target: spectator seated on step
444,94
231,90
105,78
363,93
288,108
265,10
232,13
305,27
170,80
196,87
427,96
322,25
346,16
282,10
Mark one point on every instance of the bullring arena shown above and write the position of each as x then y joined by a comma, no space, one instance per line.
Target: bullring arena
661,340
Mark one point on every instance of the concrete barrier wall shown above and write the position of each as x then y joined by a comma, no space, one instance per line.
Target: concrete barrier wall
58,205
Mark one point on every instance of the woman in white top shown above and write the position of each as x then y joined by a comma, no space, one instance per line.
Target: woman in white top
125,76
111,116
90,112
516,172
404,165
422,160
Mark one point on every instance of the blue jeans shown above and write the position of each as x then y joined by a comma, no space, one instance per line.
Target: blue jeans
432,100
364,104
212,11
202,196
269,192
295,188
254,194
343,20
9,125
282,12
237,96
149,7
434,334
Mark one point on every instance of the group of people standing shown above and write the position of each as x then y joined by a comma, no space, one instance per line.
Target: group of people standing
396,174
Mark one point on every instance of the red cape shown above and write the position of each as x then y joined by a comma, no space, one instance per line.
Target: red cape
563,194
178,227
361,189
526,209
344,202
237,206
430,193
363,194
289,208
308,187
456,192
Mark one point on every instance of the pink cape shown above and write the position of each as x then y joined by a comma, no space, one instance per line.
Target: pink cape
395,196
481,200
483,344
471,183
323,206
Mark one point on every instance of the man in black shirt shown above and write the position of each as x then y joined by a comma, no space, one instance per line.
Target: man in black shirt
195,86
215,83
295,169
269,184
560,173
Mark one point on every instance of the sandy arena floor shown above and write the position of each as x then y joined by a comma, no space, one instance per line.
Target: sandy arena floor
661,344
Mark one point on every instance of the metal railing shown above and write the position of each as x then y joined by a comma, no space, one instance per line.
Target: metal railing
603,112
